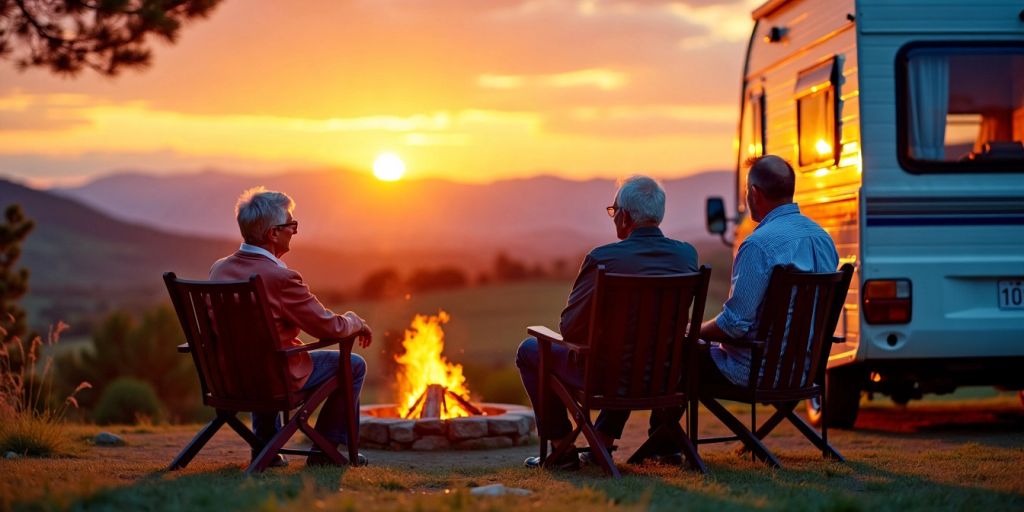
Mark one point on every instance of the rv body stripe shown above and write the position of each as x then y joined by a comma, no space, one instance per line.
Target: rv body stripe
945,211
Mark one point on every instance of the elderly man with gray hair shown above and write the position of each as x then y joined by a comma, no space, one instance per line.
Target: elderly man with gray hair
267,226
637,212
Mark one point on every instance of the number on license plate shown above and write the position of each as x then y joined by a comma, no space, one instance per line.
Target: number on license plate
1011,294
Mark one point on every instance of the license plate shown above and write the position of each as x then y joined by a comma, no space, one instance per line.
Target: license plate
1011,294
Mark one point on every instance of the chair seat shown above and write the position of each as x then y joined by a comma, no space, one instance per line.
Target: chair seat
640,404
743,394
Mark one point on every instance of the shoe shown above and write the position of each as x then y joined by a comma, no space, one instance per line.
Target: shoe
569,462
587,458
319,459
279,461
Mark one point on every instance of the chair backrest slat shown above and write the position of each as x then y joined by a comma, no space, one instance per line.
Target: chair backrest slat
804,306
798,318
232,340
645,338
663,351
640,330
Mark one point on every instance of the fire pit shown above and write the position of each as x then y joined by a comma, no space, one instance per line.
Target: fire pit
500,426
434,411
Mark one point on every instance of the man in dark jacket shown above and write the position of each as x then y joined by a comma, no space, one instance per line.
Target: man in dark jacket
637,212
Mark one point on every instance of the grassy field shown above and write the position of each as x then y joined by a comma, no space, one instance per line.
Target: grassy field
928,456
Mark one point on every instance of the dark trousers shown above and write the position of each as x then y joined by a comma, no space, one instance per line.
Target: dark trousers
333,414
557,425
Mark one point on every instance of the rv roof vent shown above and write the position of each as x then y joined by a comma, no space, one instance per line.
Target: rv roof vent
776,34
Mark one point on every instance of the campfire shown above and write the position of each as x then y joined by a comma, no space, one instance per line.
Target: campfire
428,385
433,409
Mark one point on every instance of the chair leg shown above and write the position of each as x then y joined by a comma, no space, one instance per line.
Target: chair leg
657,438
277,442
827,450
758,448
352,423
583,424
766,428
244,431
197,442
674,433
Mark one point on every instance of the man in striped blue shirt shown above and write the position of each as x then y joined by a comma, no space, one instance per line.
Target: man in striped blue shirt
783,237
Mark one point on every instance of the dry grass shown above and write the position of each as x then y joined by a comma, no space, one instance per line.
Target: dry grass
931,455
29,424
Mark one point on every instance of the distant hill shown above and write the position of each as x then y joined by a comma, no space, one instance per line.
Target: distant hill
537,217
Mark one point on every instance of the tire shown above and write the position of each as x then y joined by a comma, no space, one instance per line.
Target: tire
842,390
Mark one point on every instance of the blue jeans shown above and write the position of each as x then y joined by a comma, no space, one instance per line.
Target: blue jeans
610,423
333,416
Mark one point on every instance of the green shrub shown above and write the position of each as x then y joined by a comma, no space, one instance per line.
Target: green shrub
127,400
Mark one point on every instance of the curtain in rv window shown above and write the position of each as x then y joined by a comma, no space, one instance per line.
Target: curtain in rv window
928,91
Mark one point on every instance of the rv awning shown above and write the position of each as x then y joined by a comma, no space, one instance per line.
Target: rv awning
815,79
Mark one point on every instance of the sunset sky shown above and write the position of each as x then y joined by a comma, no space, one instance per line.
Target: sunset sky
468,90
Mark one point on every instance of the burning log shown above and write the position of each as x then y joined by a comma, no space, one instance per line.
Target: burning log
434,401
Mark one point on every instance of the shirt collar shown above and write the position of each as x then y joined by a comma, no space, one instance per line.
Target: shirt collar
646,231
253,249
779,211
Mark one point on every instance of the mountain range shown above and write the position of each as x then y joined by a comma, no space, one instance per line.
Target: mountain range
533,218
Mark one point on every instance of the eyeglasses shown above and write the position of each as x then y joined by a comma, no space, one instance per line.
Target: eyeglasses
612,210
294,225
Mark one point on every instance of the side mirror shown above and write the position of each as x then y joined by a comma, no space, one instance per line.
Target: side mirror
715,214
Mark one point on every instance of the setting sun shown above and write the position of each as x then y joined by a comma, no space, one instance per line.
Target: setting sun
388,167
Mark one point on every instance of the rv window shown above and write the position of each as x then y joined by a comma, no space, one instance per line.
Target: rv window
816,114
753,127
816,127
962,108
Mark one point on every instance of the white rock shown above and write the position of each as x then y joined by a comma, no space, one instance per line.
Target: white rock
108,439
498,490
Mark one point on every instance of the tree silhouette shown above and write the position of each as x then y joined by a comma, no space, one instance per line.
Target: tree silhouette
107,36
13,282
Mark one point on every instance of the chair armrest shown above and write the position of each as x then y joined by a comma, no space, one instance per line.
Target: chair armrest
183,348
544,334
838,339
751,344
326,342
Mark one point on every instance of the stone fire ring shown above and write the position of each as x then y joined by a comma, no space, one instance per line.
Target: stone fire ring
501,426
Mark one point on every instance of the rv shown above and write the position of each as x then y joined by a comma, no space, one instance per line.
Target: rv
903,120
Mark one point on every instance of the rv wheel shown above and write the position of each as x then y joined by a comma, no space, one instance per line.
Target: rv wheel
842,390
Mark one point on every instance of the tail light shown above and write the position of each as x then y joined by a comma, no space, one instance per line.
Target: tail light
887,301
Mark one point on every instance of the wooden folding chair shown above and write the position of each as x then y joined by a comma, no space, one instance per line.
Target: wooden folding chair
242,368
637,357
788,357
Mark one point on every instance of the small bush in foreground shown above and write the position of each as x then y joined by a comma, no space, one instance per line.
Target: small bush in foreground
127,400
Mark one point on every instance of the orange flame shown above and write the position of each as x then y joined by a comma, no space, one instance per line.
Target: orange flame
422,364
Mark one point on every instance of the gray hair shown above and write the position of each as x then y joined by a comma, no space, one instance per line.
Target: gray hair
258,210
643,198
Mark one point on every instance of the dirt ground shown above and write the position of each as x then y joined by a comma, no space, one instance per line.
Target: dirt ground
880,432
